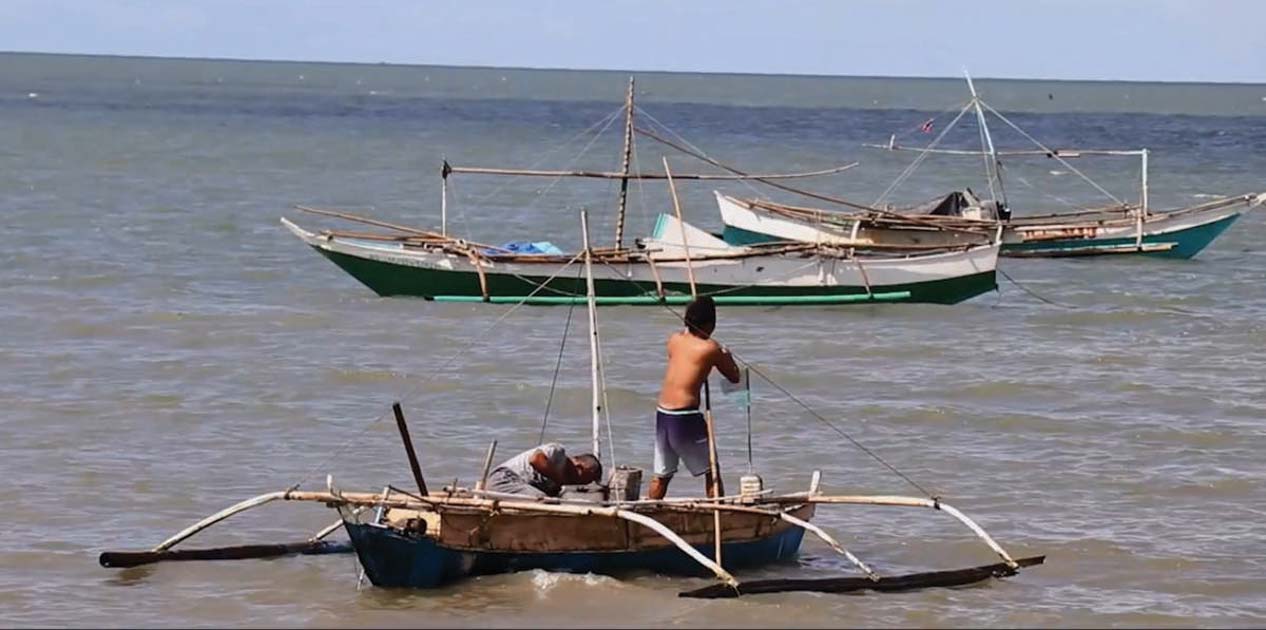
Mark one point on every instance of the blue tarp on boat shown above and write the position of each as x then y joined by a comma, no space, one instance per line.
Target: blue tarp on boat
527,247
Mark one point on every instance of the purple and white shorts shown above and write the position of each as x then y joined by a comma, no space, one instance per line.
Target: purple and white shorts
680,434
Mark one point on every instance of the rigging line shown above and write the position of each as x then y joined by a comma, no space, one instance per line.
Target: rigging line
1025,181
1033,293
574,160
905,131
558,364
919,159
604,123
1051,152
442,368
693,147
909,170
873,455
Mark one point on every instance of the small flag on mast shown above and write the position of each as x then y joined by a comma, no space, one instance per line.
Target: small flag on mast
926,127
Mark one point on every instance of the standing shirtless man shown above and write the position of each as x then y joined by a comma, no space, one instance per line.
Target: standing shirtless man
681,433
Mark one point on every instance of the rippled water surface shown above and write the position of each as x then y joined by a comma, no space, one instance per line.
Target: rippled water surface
168,349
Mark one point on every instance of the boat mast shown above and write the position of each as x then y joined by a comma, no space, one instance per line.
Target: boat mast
593,335
1143,195
992,172
445,171
624,166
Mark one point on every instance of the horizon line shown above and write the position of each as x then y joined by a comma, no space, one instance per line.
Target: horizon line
617,70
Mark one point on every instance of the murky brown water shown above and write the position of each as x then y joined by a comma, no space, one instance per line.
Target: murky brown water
168,349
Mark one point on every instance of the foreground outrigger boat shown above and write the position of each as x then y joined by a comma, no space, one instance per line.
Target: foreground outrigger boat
426,539
1122,228
407,261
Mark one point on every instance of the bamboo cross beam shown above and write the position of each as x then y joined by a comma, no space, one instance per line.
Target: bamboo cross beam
764,180
347,216
649,176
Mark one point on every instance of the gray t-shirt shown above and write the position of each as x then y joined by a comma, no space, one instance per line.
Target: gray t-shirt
521,466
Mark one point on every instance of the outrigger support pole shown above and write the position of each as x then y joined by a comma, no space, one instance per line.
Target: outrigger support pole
899,501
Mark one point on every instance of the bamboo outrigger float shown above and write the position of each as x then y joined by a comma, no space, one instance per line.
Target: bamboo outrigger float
1122,228
427,538
407,261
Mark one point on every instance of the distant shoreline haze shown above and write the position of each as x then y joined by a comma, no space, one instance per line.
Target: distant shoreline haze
43,73
983,77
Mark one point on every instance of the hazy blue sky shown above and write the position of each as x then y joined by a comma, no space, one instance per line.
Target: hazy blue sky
1158,40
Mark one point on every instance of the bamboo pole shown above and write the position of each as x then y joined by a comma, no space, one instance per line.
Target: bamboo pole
483,478
1064,153
767,182
933,503
690,270
793,520
408,448
591,303
236,508
624,166
714,467
391,226
764,180
444,172
480,170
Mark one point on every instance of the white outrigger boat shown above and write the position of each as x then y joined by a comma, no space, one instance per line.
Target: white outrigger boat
1121,228
425,538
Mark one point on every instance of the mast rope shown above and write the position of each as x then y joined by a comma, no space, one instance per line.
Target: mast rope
918,160
1051,152
1032,292
806,407
558,364
443,368
666,129
605,123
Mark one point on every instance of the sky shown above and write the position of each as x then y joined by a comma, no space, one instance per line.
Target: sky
1141,40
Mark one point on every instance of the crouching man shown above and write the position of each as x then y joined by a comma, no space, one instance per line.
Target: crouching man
543,471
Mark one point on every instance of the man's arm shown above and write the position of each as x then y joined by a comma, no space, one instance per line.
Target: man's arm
541,463
725,364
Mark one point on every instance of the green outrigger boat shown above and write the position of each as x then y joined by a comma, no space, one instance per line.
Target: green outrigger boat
662,268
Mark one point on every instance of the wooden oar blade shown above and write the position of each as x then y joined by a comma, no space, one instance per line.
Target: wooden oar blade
123,559
908,582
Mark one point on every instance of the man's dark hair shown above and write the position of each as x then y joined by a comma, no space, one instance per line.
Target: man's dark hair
701,315
592,462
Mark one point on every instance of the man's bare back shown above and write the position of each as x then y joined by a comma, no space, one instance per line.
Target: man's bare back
690,360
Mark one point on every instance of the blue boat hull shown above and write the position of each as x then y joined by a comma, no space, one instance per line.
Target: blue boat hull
393,559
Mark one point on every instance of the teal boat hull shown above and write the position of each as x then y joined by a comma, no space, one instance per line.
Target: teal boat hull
1182,244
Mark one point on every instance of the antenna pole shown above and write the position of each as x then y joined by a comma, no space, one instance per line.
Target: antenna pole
992,171
624,166
1143,199
444,173
593,335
